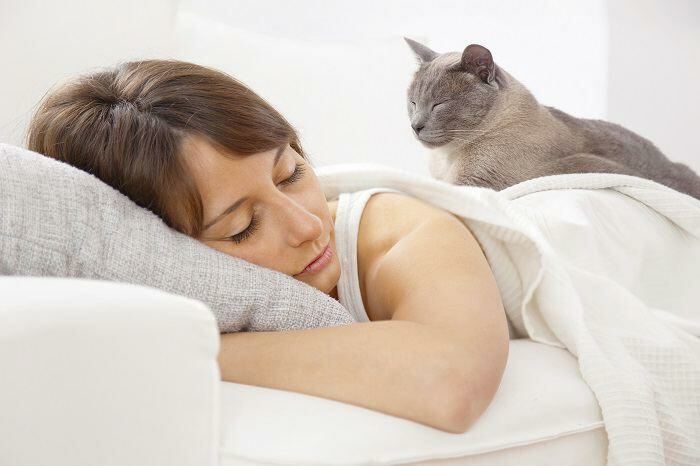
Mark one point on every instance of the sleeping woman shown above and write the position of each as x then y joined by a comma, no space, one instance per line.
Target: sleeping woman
216,162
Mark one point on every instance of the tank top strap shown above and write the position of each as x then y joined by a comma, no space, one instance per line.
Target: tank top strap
347,226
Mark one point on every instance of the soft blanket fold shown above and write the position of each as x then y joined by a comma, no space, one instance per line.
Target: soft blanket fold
606,266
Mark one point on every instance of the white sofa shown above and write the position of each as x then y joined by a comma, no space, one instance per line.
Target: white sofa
100,373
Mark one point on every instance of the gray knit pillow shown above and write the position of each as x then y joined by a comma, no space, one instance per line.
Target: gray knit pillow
59,221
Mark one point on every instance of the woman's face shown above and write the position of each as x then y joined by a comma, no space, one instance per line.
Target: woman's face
258,208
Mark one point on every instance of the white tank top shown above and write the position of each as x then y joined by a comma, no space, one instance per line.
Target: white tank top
347,225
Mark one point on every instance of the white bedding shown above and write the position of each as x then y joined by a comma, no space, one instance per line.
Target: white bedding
606,266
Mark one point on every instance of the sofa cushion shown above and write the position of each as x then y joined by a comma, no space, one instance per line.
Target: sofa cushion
98,373
543,414
56,220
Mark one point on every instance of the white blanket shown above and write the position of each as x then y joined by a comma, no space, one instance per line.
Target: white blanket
606,266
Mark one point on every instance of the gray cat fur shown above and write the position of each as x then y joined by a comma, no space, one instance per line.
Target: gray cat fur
492,132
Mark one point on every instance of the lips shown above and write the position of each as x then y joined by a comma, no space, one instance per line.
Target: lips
320,261
317,257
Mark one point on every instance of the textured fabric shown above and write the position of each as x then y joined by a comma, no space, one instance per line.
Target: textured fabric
626,313
56,220
347,225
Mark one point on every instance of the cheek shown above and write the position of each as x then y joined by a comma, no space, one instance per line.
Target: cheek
313,195
263,253
446,115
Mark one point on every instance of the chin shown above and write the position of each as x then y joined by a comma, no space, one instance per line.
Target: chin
432,144
332,277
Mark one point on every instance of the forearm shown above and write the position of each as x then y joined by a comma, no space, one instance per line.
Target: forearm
400,368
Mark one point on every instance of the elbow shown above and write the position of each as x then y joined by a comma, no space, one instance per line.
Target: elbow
453,410
457,411
468,393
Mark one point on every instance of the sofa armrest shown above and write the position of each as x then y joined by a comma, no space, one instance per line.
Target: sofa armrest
106,373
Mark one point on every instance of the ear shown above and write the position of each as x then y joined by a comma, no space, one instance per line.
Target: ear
477,60
423,53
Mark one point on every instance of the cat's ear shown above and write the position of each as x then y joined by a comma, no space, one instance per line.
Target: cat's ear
423,53
477,60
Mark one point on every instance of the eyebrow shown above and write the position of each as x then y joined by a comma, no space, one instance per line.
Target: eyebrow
236,204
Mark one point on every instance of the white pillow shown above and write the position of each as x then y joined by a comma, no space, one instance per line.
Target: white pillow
347,99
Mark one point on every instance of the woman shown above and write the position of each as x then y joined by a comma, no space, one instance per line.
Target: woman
218,163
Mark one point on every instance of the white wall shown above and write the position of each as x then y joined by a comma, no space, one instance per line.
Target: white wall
646,81
44,42
654,73
544,43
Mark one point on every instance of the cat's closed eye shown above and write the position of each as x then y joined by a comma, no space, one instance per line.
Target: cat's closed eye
438,104
413,103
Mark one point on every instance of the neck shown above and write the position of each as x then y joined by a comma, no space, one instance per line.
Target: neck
334,293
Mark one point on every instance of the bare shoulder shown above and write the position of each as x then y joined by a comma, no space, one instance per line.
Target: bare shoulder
400,211
388,217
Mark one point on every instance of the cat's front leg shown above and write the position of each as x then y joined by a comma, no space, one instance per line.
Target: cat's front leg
585,163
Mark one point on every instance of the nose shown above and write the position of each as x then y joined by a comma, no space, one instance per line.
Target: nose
301,225
418,122
417,127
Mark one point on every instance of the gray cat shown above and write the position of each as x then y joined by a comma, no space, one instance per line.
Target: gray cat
486,129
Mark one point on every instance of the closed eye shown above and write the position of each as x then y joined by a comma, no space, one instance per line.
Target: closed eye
254,223
439,103
298,173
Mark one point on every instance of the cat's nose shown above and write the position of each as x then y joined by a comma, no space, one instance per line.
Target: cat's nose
417,127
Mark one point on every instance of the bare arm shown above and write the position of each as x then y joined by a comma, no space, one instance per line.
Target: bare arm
437,275
401,368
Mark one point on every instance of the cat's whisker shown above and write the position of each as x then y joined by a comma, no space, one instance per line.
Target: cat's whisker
464,130
451,132
457,138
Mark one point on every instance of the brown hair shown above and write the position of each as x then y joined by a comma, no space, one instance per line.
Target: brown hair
128,125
